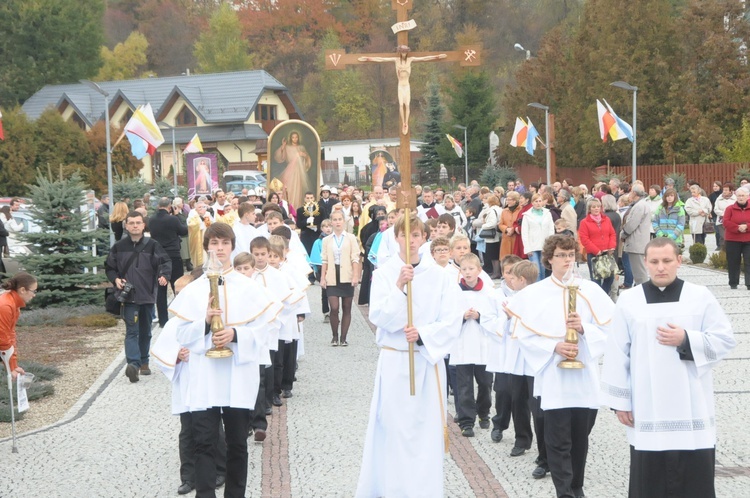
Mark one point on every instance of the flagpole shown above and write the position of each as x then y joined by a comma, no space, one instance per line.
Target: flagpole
466,152
635,103
175,163
630,88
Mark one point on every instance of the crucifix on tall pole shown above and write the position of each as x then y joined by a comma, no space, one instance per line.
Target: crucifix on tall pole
469,55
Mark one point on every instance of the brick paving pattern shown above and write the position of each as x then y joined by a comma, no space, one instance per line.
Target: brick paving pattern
121,441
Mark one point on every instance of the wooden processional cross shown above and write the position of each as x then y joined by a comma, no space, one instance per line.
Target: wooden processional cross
403,59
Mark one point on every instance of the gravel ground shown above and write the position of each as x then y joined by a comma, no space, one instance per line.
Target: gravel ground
94,352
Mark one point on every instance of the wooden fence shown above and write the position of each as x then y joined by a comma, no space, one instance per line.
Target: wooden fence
704,174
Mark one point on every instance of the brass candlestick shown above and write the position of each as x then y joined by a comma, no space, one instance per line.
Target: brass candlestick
213,268
571,335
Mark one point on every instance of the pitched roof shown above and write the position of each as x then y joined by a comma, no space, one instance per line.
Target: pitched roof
217,98
218,133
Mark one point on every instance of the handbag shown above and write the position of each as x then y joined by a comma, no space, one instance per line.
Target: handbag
709,227
112,302
488,233
603,266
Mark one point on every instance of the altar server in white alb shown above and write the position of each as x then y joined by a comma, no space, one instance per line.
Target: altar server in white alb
222,388
569,397
407,435
667,336
470,352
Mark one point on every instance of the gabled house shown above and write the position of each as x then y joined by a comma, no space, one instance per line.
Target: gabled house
233,113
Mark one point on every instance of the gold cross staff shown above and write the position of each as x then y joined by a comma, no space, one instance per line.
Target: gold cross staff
470,55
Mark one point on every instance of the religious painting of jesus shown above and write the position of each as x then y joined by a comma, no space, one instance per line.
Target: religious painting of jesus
203,174
382,168
294,150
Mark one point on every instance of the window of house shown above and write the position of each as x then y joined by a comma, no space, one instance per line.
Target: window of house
77,120
266,112
126,117
348,160
186,117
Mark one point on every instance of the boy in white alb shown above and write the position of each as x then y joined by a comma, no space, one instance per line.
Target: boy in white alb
497,358
285,363
280,287
407,435
569,396
469,353
222,389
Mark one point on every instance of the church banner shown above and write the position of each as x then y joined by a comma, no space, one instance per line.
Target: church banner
202,174
294,156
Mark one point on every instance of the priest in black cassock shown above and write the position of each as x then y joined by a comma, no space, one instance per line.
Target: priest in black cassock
667,336
309,218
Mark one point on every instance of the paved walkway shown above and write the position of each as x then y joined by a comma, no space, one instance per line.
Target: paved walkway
121,441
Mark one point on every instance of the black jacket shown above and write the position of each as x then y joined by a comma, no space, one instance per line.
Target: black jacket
152,262
167,230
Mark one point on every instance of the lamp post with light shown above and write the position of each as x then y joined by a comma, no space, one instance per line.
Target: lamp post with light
520,48
548,148
104,94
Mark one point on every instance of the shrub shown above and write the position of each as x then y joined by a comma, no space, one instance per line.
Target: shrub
100,320
55,316
43,373
39,389
492,176
679,181
698,253
740,174
718,260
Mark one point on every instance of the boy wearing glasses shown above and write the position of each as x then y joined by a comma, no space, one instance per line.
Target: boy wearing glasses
569,397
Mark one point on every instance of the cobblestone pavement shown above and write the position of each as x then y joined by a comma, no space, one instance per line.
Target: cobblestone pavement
120,440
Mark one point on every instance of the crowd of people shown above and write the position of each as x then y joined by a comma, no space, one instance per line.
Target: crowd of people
481,265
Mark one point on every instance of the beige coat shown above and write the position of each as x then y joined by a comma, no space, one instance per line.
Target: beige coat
349,256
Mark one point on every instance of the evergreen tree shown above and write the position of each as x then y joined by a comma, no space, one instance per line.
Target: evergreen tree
62,259
472,105
429,164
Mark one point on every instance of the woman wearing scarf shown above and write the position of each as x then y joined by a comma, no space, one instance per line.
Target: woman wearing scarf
536,227
597,235
507,219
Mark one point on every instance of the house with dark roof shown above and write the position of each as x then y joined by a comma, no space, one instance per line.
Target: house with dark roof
233,113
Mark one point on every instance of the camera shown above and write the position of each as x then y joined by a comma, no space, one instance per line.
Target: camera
126,293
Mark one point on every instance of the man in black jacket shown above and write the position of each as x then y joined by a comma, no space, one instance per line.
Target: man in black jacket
151,265
166,228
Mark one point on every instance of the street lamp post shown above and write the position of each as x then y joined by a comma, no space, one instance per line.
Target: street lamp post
634,89
466,151
104,94
547,149
520,48
175,160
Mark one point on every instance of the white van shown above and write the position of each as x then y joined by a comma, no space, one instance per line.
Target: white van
235,181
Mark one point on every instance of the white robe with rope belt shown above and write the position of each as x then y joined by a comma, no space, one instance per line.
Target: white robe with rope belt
404,445
540,311
231,381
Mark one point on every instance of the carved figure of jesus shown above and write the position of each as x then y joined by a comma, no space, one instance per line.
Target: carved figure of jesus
403,71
